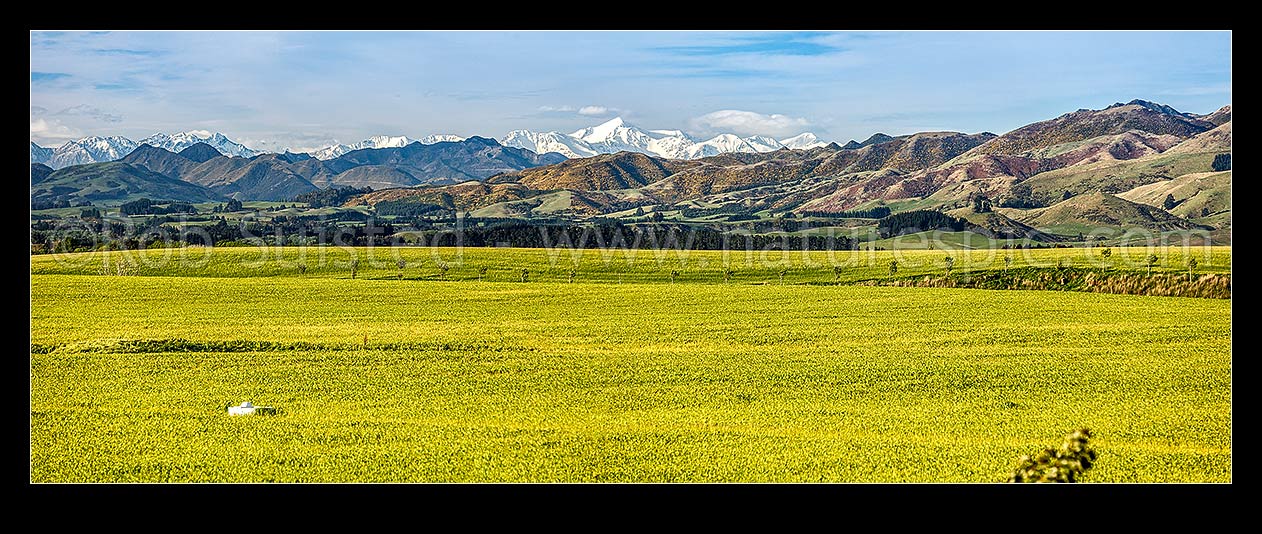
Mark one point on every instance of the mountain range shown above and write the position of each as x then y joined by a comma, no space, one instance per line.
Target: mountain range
148,171
101,149
1129,164
1113,166
612,136
616,135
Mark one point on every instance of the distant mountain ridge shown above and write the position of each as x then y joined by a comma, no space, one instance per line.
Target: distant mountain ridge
617,135
1112,166
279,177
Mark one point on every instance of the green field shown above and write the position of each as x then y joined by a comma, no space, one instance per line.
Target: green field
421,379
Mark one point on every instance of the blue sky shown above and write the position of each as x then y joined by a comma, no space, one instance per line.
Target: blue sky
304,90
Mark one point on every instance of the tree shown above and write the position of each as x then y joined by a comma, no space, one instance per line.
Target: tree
782,273
481,273
1151,261
1007,262
573,273
1222,162
639,212
401,264
442,270
1067,195
981,204
525,275
836,274
673,275
728,273
950,262
1205,212
354,267
1169,202
1106,253
893,267
1191,267
234,205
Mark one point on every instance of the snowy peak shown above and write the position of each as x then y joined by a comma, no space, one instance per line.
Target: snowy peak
544,142
180,141
40,154
383,141
762,143
376,141
719,144
441,138
616,135
601,132
91,149
802,141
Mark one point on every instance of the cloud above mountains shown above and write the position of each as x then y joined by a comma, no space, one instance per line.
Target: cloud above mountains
749,123
352,85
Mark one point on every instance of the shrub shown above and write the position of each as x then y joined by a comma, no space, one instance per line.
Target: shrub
1066,464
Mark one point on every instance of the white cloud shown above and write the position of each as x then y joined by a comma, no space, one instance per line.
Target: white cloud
46,131
563,109
595,111
750,123
91,111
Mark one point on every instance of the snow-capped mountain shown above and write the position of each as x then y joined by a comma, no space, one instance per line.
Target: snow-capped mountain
91,150
720,144
376,141
802,141
382,141
40,154
763,143
617,135
180,141
441,138
544,142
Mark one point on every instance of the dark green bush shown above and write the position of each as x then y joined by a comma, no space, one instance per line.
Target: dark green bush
1066,464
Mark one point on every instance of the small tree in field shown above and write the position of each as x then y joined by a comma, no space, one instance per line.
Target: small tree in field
573,273
1106,253
1151,261
782,273
1169,203
1191,267
442,270
673,275
525,275
481,273
950,262
302,268
893,267
836,274
1007,262
728,273
354,267
401,264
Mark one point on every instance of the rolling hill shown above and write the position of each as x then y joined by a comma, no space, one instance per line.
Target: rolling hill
1086,124
117,182
1094,209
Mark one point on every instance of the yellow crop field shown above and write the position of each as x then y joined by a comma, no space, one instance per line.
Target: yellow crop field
434,376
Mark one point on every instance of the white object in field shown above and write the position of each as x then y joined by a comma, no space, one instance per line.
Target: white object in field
249,409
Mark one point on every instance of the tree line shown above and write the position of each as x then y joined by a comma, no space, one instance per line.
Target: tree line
910,222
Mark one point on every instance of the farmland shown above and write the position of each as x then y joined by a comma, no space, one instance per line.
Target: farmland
412,372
